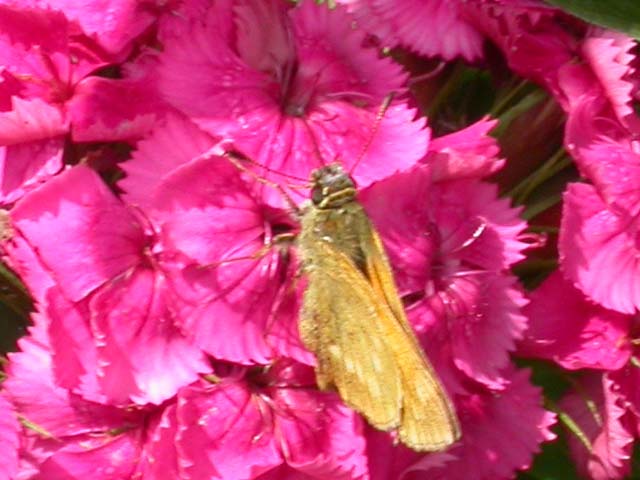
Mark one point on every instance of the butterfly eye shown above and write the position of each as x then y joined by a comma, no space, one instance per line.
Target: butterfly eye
317,195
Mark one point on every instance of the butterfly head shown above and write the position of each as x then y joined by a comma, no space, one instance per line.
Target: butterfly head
331,187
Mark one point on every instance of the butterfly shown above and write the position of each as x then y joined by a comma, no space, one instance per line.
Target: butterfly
353,320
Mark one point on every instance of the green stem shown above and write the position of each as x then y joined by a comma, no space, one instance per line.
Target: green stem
450,86
554,164
501,104
569,423
541,205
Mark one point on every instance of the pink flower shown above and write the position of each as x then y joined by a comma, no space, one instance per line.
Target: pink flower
430,28
209,216
292,88
112,310
8,440
598,409
598,249
450,244
47,93
265,423
65,437
234,281
564,326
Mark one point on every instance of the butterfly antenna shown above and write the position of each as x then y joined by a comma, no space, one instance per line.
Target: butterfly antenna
236,160
384,106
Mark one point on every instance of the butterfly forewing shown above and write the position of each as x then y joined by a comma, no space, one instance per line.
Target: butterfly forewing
340,327
429,421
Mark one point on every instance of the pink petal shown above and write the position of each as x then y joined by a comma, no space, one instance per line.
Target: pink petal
40,47
225,432
386,459
500,434
101,110
568,329
113,23
29,121
467,153
598,250
83,235
25,31
430,28
159,460
143,355
609,56
323,438
610,434
75,358
32,137
483,320
24,166
173,143
102,456
21,257
8,440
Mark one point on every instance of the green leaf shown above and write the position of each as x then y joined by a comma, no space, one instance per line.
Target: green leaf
622,15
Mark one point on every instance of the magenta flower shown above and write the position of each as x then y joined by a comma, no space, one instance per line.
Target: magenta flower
266,424
598,249
607,428
47,93
64,436
451,243
112,316
564,326
301,89
233,287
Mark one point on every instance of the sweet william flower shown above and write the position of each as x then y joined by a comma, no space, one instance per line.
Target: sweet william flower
210,219
48,93
607,427
265,423
450,243
292,88
564,326
63,436
112,317
235,282
598,250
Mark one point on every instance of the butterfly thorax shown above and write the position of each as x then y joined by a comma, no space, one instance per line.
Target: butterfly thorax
334,217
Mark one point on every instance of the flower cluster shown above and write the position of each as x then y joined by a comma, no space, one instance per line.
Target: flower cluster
163,341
